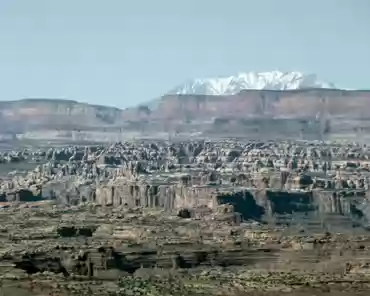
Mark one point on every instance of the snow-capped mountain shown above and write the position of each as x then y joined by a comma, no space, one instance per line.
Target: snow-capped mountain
274,80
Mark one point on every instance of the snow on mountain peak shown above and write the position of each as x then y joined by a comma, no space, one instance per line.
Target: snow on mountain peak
274,80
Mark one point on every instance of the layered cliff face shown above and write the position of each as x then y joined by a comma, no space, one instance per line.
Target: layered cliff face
291,103
187,109
30,114
257,112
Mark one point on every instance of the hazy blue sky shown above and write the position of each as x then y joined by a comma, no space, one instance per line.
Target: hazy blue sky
122,52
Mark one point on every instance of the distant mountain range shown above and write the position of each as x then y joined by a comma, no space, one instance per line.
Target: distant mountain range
275,80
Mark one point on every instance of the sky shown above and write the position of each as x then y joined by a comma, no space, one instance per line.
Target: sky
126,52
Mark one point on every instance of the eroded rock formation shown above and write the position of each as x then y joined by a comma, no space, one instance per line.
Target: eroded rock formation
139,212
